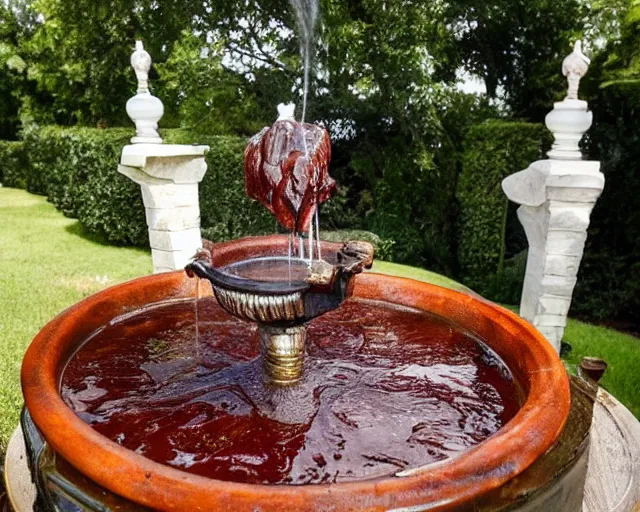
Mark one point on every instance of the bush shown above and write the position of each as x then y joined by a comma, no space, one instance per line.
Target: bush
383,247
492,151
505,286
13,164
405,195
226,211
76,168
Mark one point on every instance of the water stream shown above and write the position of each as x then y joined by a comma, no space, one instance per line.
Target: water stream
307,13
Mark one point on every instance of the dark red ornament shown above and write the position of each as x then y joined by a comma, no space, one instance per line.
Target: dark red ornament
287,169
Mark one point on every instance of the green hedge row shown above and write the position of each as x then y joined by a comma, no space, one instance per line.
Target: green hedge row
225,209
13,164
76,168
492,151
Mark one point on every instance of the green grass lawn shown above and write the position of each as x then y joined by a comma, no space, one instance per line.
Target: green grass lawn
48,263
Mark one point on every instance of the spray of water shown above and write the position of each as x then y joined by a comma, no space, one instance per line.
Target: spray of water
306,12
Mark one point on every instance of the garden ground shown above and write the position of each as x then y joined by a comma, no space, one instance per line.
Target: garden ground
48,262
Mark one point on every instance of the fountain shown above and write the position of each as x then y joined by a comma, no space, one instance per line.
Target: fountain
286,168
297,382
274,374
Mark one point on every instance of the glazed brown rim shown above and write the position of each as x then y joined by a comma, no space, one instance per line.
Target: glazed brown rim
438,486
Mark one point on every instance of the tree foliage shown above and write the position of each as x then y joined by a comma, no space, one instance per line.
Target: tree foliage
608,286
78,53
517,46
11,67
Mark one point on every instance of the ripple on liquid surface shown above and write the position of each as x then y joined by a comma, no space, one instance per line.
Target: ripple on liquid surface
385,389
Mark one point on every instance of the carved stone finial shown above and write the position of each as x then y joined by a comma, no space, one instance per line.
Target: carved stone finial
141,63
570,118
144,109
574,67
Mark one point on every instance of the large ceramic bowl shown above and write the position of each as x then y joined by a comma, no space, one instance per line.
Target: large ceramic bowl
447,485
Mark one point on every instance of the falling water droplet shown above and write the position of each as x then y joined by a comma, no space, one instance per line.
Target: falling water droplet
195,310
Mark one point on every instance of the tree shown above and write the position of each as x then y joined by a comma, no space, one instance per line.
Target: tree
608,286
376,87
12,68
517,47
79,51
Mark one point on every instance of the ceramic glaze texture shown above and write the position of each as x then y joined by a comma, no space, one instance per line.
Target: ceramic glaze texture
287,170
442,486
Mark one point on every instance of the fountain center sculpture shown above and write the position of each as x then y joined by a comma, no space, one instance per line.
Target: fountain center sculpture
287,170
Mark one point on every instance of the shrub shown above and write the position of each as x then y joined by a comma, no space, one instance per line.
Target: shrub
226,211
76,168
492,151
409,198
13,164
382,246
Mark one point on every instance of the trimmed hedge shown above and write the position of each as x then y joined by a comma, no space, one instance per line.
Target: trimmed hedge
492,151
13,164
225,209
76,168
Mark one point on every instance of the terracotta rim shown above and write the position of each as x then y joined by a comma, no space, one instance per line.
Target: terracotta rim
443,485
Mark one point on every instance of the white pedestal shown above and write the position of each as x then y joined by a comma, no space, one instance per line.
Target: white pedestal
168,175
557,197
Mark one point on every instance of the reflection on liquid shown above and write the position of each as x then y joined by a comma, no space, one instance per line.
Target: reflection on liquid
384,389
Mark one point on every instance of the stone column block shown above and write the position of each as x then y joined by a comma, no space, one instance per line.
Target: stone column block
171,260
170,196
569,217
168,176
565,242
168,240
173,219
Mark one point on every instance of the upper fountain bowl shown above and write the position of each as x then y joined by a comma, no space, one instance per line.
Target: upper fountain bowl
275,289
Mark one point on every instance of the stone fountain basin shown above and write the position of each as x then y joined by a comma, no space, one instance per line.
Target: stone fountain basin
442,486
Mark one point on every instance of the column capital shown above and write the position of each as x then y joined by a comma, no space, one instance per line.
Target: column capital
581,180
155,164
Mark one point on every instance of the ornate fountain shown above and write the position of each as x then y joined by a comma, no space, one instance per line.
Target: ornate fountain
356,391
286,168
296,381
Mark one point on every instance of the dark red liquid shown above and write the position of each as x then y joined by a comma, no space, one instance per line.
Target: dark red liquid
384,389
275,269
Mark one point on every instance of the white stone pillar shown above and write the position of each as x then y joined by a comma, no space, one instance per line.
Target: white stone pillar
168,175
557,196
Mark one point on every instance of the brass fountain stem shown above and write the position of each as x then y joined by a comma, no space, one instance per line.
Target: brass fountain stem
283,353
